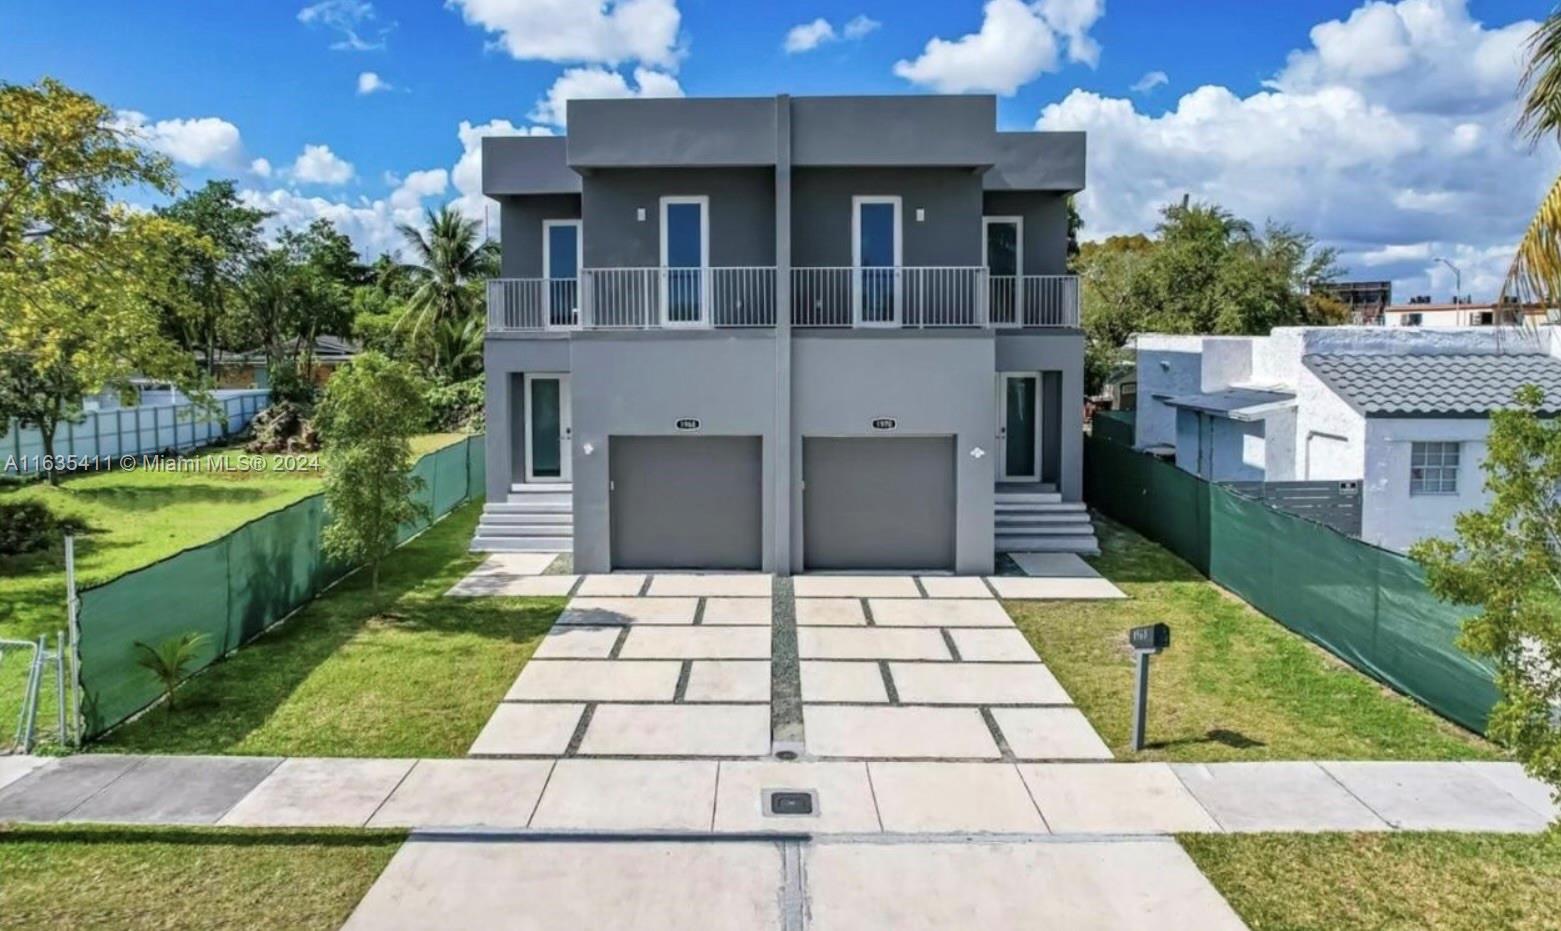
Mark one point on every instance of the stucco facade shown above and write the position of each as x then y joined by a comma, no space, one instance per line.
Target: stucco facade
768,307
1321,433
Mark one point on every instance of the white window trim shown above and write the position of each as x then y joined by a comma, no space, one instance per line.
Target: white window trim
703,200
1018,223
547,266
857,201
1457,469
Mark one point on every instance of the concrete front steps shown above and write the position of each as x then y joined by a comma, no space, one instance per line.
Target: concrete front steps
536,518
1041,522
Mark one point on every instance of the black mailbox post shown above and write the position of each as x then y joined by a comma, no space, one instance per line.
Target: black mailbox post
1146,642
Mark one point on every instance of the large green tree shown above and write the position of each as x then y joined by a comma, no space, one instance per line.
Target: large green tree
233,230
1204,271
1506,559
85,283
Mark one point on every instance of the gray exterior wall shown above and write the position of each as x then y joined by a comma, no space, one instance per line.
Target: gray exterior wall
844,380
742,214
780,175
641,384
1045,226
1060,351
504,359
821,213
520,230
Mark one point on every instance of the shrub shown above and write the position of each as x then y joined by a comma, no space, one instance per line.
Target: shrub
285,427
457,407
27,526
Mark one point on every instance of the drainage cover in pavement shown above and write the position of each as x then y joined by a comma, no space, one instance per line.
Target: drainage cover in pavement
790,802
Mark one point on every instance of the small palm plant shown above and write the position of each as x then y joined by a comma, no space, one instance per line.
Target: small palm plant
169,660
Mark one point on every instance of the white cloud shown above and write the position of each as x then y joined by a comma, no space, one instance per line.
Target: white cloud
317,164
418,185
370,83
1017,42
1149,82
805,37
353,20
371,224
608,32
203,142
859,26
260,167
599,83
467,174
1342,146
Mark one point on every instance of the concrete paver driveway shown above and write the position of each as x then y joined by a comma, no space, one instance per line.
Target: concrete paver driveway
655,884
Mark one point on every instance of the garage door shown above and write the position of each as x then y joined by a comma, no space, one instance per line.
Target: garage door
878,502
686,502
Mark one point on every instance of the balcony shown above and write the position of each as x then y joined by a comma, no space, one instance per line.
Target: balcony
906,297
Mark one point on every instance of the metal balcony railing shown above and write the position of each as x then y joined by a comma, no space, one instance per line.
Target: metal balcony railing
905,297
1033,300
899,296
642,298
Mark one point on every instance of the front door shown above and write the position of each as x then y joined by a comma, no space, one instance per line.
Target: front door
1018,426
561,264
1002,248
547,428
685,256
875,251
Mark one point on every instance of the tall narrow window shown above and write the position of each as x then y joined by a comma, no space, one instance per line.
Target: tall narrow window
685,251
561,266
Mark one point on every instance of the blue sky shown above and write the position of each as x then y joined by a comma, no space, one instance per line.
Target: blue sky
1380,127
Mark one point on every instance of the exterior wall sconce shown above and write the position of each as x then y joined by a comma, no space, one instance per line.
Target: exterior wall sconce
921,214
587,449
639,214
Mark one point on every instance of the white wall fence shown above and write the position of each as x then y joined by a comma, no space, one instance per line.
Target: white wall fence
133,431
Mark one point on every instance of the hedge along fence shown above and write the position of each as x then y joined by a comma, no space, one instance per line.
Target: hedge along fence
1368,606
231,589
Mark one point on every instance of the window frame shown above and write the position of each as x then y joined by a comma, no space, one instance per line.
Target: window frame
1428,476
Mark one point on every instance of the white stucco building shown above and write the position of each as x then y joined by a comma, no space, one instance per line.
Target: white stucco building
1402,410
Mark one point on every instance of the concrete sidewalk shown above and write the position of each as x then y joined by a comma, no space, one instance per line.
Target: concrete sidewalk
724,797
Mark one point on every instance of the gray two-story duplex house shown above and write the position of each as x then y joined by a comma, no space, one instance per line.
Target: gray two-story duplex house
784,334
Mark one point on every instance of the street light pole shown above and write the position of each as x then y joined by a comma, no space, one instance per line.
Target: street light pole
1457,278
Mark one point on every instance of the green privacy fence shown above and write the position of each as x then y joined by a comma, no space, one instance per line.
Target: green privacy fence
231,589
1116,426
1368,606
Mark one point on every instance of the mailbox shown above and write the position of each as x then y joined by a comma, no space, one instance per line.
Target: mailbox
1151,639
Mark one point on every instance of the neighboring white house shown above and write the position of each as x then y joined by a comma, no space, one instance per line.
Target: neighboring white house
1404,411
1459,315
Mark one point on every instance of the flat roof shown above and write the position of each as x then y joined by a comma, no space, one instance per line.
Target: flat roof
1236,403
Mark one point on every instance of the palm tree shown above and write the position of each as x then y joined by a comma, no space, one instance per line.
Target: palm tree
446,258
1535,273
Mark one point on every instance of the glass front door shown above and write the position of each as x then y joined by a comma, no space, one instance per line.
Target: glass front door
877,258
684,256
561,261
547,428
1018,428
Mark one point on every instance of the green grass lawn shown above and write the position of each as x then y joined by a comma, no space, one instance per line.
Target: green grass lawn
138,517
1234,685
158,878
417,678
1451,882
